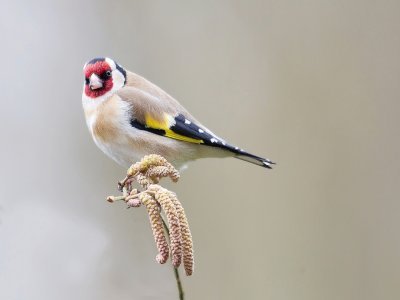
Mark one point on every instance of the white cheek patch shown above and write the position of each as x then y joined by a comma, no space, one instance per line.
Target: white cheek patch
111,63
118,80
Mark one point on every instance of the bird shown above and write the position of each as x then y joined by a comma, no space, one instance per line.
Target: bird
130,117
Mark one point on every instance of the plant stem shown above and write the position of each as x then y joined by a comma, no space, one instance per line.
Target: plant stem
179,284
176,271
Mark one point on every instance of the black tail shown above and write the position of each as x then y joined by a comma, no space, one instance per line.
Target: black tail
243,155
259,161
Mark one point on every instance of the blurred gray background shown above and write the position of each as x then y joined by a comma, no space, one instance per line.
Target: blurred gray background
313,85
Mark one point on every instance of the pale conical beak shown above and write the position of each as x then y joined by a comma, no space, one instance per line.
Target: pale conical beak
95,82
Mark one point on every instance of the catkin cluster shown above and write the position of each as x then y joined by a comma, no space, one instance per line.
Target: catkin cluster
157,199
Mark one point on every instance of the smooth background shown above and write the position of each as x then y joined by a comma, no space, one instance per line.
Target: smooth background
313,85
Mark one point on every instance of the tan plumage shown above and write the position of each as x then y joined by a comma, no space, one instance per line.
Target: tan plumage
130,117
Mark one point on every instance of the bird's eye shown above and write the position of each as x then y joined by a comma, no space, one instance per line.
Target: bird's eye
87,80
105,75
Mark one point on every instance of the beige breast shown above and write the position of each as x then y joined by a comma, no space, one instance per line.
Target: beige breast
104,120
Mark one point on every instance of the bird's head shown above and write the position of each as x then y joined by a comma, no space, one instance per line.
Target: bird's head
102,75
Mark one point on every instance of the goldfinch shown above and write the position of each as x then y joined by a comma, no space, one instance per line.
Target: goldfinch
130,117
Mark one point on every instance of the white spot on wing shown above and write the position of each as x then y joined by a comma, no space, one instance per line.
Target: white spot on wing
214,140
187,121
201,130
170,119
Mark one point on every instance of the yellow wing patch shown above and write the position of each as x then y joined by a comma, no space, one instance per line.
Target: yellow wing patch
165,125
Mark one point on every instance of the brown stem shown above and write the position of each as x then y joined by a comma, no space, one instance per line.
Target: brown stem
179,283
176,271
